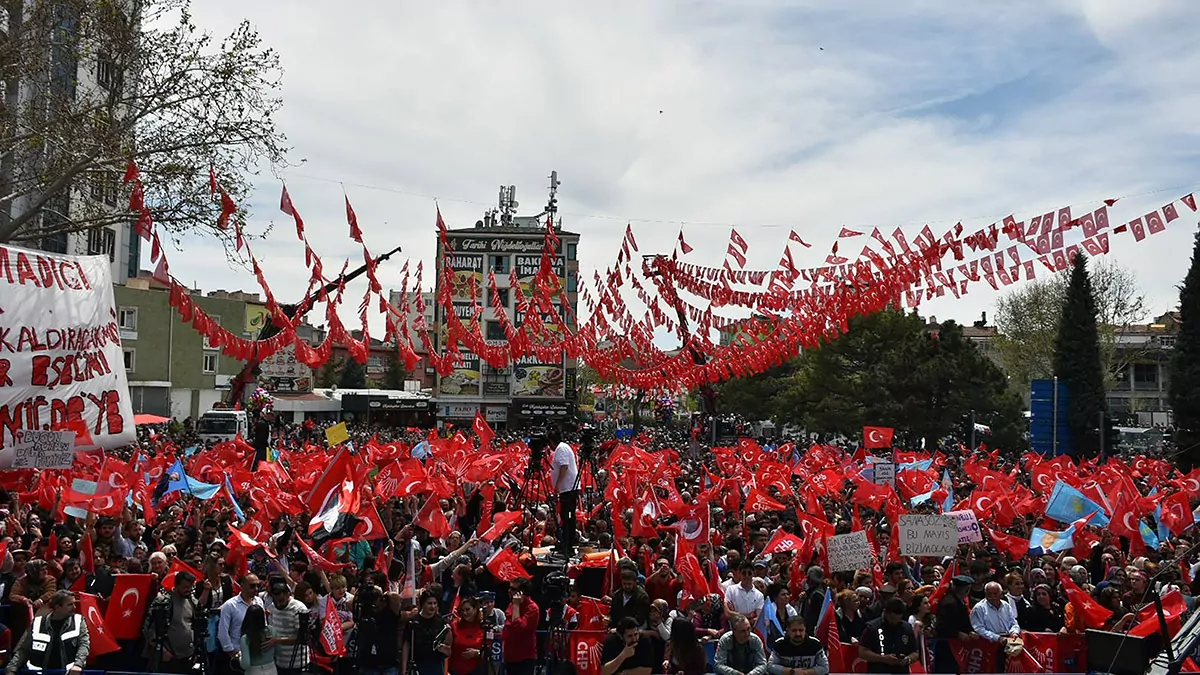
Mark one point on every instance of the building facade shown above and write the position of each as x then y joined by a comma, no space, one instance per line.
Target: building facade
61,74
531,388
1143,379
424,373
172,370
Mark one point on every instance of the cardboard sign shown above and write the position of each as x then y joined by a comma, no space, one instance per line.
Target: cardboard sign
44,450
968,526
928,535
849,552
61,358
885,473
337,434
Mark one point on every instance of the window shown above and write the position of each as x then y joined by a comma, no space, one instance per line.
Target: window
210,363
374,363
572,281
1145,373
495,331
127,318
107,73
130,357
501,293
499,264
102,241
1166,341
571,251
216,319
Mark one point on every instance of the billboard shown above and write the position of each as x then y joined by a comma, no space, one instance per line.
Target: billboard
534,378
468,271
282,373
527,267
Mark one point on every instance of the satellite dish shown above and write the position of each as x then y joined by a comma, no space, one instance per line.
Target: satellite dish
478,224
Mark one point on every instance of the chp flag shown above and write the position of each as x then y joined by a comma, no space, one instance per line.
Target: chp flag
61,361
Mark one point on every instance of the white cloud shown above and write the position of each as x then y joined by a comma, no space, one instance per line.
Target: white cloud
773,116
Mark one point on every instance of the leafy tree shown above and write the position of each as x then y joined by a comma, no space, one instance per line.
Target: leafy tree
1185,366
353,375
756,397
394,375
92,84
889,369
1077,361
1027,320
328,375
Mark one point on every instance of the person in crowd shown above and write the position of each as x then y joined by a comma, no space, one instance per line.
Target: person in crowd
56,640
625,652
740,651
631,600
993,617
798,653
466,639
684,654
889,644
850,623
953,621
229,626
520,630
36,588
565,471
1044,615
256,647
172,651
744,598
428,640
777,610
288,619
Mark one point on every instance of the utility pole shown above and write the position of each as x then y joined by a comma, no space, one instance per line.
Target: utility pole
237,386
972,431
653,267
1100,433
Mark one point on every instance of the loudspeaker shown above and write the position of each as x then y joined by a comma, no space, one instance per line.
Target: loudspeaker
1120,653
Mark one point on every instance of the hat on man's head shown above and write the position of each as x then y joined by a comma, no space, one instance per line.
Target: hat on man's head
962,580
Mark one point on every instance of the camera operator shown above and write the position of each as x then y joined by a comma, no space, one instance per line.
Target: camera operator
170,629
427,639
377,617
288,619
565,470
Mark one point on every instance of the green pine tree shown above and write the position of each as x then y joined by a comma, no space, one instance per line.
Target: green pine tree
327,376
353,376
1077,361
1185,367
394,376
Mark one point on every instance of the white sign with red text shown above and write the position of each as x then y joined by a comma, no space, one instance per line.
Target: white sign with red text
61,361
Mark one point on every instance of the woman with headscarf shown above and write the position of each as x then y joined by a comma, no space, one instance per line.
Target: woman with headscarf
1043,615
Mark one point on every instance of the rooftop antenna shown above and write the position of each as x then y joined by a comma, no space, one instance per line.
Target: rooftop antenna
552,205
508,203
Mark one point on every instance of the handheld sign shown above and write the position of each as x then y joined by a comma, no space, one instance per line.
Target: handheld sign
928,535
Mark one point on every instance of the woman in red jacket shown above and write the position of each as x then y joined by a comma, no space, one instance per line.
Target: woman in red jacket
467,648
520,631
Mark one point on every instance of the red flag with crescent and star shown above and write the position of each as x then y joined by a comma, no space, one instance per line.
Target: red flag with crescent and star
127,605
877,437
102,640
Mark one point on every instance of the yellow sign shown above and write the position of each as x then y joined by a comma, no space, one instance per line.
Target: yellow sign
337,434
257,316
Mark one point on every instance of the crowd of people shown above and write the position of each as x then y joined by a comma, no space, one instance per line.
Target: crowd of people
427,572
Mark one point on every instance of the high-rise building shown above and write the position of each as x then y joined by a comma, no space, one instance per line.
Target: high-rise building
531,388
60,75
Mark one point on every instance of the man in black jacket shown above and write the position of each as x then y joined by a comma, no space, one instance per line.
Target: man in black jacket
798,653
888,643
953,622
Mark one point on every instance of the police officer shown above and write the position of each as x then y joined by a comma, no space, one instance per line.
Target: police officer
888,643
55,641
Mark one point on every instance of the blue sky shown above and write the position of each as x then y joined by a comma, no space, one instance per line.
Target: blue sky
774,116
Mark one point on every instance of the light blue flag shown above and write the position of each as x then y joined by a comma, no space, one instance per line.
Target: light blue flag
237,508
1042,541
1066,505
179,481
922,465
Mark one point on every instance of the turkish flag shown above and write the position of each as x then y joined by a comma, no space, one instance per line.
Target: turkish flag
102,640
505,566
1177,513
177,566
502,522
431,519
877,437
127,605
484,431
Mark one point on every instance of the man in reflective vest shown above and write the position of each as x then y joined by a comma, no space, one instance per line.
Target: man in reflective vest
55,641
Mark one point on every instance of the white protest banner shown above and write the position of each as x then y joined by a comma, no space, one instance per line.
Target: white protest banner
968,526
60,348
885,473
43,450
849,552
928,535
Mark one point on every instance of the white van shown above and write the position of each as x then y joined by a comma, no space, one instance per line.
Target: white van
223,425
